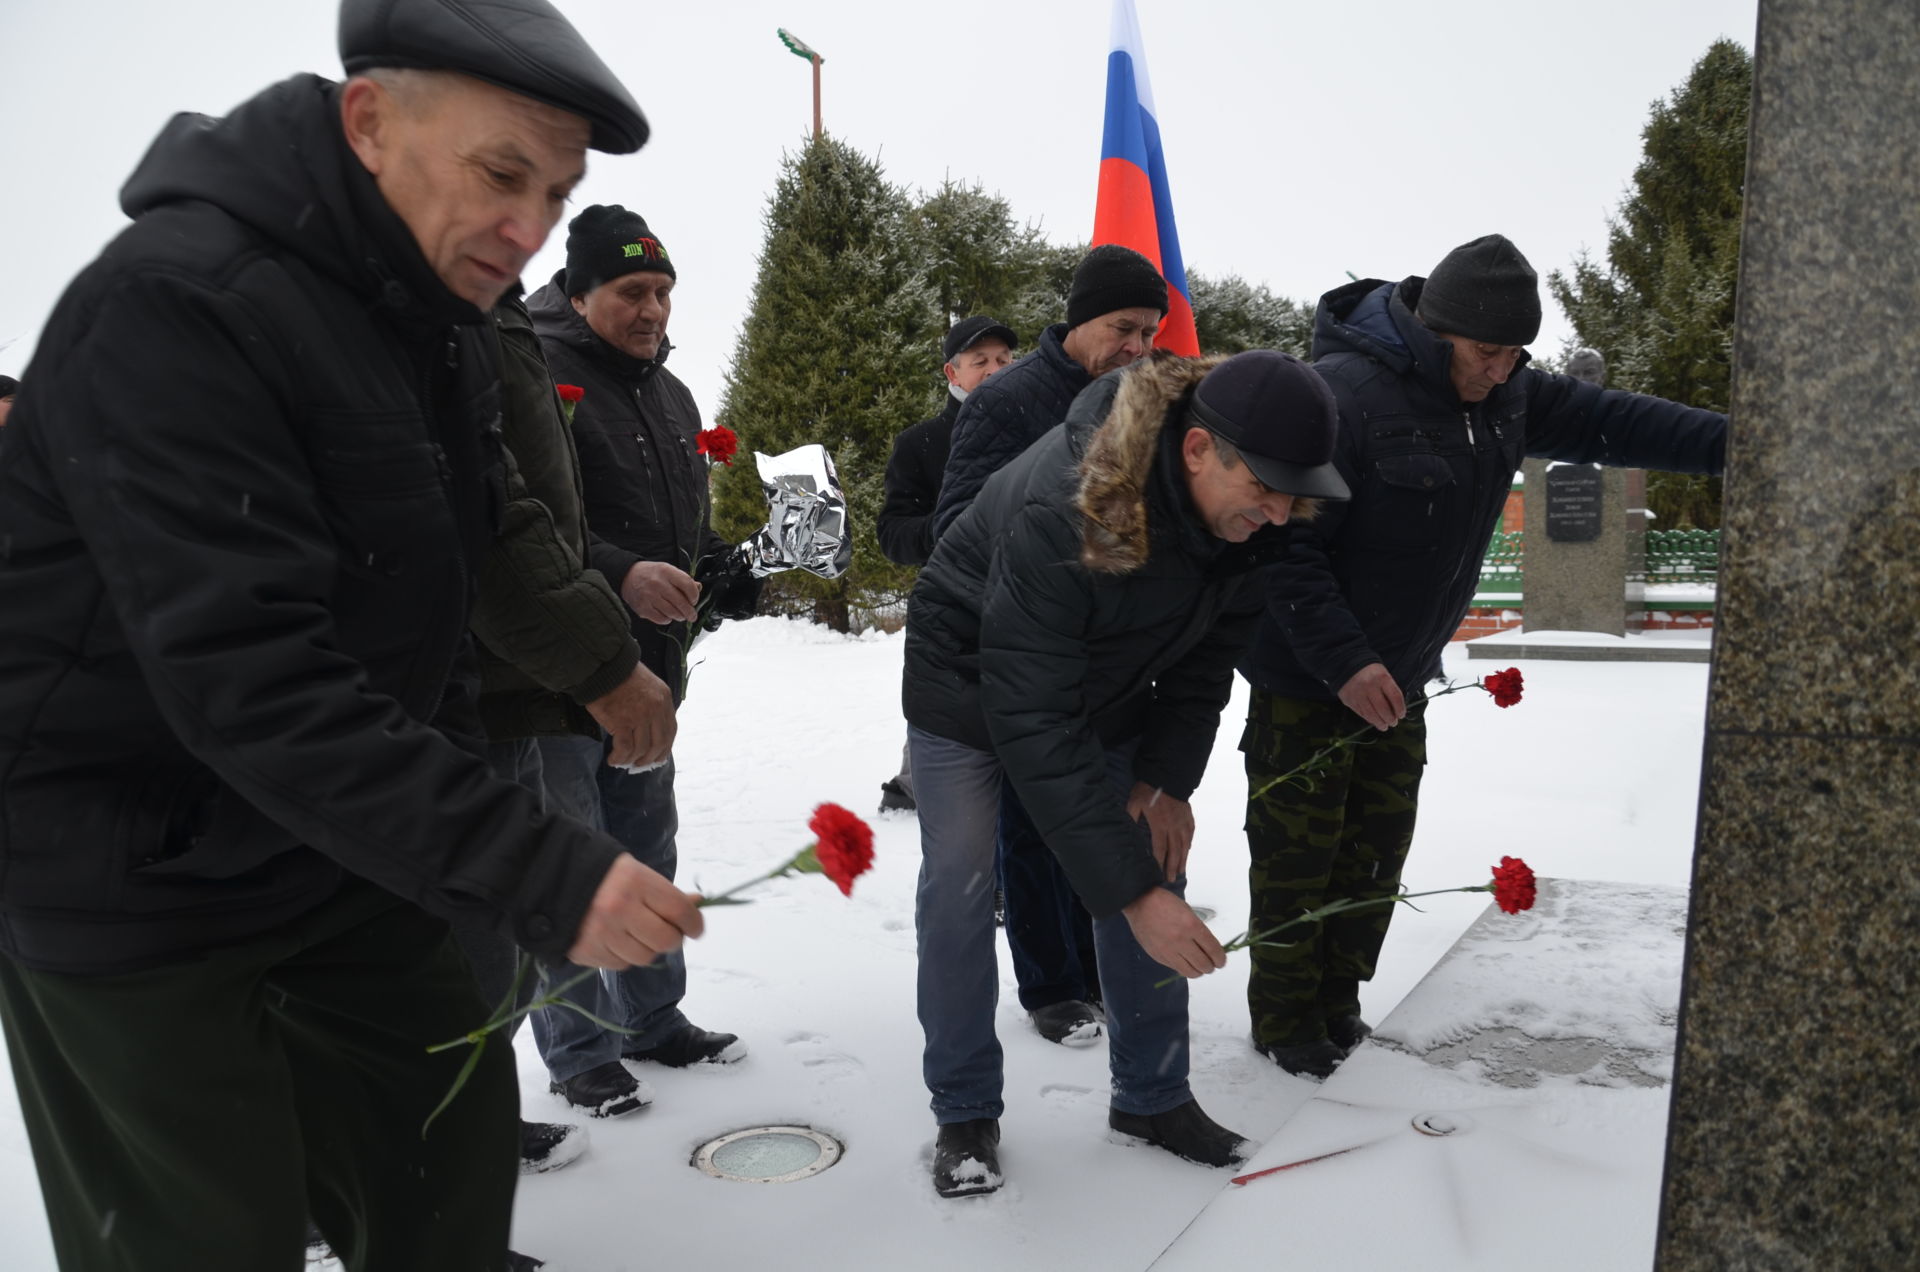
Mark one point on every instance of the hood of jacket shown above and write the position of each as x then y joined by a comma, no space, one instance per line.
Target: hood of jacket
280,164
556,319
1118,477
1374,319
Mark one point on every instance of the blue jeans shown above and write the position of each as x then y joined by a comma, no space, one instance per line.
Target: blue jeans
958,790
638,810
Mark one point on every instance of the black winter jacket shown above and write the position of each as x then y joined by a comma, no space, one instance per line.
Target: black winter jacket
247,482
905,524
645,484
1387,576
1009,412
1078,604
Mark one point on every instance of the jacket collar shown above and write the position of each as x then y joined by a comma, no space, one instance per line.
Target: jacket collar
1131,487
556,318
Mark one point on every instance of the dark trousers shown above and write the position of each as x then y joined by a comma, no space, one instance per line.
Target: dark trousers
1049,933
192,1116
1342,834
489,948
638,810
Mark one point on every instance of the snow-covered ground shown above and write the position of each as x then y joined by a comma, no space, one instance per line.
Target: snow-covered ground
1593,776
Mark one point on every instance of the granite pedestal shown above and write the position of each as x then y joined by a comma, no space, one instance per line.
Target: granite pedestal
1795,1127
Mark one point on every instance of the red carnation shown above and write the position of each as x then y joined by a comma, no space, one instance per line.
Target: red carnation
719,445
1504,686
1513,883
569,392
845,846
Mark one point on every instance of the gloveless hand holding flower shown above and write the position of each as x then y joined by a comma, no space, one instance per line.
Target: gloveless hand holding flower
842,850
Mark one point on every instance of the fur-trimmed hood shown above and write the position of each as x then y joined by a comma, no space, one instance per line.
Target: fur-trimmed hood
1116,470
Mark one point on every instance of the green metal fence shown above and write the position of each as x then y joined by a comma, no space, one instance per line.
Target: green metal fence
1673,556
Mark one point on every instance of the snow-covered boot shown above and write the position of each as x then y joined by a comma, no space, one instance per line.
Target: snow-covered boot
692,1045
966,1158
1071,1024
606,1090
1317,1059
1348,1032
546,1146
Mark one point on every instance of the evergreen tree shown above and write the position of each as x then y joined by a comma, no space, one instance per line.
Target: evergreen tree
1661,310
835,350
1233,315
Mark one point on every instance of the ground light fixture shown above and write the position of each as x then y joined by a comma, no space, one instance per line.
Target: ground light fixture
768,1154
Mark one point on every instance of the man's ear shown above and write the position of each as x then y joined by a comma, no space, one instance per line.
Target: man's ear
1194,449
946,369
365,117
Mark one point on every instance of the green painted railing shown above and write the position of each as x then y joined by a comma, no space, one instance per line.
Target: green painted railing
1673,556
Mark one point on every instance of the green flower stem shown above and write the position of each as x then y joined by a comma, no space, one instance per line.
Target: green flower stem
503,1015
1247,939
806,861
1303,773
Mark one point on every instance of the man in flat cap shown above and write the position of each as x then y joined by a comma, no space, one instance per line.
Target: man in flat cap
1437,407
253,471
1075,634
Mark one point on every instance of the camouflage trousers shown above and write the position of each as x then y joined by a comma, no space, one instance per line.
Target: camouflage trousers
1344,832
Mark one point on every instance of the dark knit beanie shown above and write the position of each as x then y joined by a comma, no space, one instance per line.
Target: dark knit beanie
606,242
8,385
1114,277
1483,290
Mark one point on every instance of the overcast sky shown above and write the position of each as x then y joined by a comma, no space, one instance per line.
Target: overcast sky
1302,140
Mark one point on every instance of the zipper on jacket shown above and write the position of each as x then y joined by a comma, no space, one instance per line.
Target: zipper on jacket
1468,417
447,492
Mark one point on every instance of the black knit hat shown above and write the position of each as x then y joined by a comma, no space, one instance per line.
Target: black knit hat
606,242
969,332
1114,277
8,386
1280,415
523,46
1483,290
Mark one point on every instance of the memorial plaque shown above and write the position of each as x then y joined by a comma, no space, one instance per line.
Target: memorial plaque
1575,498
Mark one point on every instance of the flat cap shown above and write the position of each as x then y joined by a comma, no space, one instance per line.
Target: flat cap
523,46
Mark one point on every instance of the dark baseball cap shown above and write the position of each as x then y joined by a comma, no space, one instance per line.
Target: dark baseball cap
524,46
1280,415
969,332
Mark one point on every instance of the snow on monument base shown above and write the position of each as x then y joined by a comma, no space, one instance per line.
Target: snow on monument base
1509,1114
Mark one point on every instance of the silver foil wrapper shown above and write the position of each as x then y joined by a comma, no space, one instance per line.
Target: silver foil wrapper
806,516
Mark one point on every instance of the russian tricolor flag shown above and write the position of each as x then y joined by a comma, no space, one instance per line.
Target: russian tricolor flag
1134,207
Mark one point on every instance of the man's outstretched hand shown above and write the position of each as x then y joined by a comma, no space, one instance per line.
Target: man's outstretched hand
1173,935
636,916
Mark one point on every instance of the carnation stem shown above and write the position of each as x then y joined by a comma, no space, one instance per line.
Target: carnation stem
1314,763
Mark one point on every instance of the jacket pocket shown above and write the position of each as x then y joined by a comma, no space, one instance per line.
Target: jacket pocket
1410,503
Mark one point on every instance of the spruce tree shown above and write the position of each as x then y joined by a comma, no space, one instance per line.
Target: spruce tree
1233,315
1661,310
835,350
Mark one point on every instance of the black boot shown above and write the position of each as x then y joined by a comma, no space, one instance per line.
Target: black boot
1071,1024
606,1090
517,1262
1316,1059
692,1045
966,1158
1348,1032
1185,1131
546,1146
894,797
